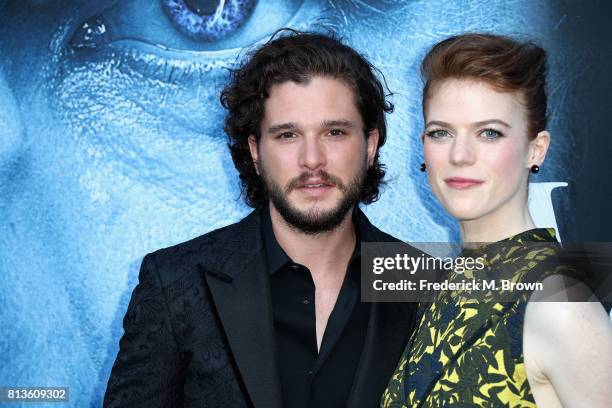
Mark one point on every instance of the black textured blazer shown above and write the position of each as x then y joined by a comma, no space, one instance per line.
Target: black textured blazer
199,328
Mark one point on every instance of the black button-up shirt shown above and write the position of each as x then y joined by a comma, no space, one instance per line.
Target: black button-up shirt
312,378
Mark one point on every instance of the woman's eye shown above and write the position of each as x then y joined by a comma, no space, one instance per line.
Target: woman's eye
491,134
437,134
208,20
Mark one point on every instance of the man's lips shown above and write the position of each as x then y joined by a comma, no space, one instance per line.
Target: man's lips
314,184
315,187
461,183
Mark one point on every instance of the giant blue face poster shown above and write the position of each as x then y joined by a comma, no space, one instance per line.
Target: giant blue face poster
112,145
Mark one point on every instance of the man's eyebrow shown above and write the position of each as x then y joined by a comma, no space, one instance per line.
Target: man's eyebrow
343,123
282,126
475,124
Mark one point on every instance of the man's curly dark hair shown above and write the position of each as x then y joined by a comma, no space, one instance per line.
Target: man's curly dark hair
298,56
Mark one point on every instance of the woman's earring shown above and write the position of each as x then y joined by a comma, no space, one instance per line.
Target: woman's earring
423,167
535,168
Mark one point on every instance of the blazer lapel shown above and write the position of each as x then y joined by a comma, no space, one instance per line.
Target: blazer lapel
239,283
388,330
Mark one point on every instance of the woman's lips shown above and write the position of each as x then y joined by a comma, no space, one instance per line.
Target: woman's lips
461,183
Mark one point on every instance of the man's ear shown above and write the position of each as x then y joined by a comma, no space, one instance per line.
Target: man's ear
372,140
254,152
538,148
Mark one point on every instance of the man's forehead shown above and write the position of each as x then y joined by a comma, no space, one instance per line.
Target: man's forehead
322,99
317,82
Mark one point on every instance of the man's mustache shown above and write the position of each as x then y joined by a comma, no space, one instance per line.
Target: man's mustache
321,175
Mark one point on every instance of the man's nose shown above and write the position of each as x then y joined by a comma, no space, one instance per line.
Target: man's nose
312,154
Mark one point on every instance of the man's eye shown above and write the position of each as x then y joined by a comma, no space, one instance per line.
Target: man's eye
286,135
337,132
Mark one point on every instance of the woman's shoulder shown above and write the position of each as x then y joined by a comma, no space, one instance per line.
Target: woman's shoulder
558,323
567,344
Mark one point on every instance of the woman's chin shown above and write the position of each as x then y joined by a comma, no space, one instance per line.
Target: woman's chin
465,214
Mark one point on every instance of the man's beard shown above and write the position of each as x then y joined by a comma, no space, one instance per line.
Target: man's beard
314,221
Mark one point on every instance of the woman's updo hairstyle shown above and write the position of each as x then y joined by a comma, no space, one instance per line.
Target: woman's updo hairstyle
501,62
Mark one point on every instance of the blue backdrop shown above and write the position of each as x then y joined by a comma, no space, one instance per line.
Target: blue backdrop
111,146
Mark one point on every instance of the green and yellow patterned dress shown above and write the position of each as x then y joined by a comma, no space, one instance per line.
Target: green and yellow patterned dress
469,353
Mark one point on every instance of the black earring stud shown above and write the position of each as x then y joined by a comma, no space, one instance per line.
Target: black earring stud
423,167
535,168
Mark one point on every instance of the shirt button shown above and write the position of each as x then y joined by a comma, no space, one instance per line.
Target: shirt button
294,266
306,301
309,372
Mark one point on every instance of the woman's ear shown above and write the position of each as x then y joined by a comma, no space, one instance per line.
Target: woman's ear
538,148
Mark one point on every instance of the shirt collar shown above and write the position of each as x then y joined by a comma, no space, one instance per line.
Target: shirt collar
277,257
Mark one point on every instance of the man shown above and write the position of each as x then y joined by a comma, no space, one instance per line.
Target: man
267,312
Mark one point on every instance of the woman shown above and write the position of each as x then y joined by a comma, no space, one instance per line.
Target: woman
484,105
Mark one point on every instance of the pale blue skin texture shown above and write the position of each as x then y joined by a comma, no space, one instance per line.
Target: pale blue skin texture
102,160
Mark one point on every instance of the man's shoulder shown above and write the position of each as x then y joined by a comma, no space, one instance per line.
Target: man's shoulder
211,248
382,236
370,232
375,234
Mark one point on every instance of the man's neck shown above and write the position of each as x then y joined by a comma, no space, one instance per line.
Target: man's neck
325,251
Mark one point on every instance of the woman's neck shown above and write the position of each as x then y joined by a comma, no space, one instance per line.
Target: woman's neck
496,226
